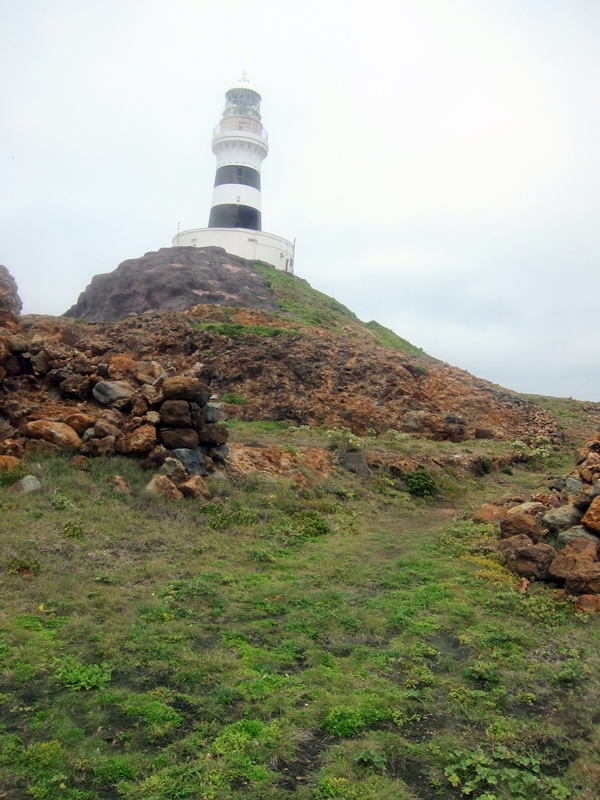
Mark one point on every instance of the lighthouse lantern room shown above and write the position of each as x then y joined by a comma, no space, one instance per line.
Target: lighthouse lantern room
240,144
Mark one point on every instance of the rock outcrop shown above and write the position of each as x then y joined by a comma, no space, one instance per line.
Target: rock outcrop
10,302
172,279
567,517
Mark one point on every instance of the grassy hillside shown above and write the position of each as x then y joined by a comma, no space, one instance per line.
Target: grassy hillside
348,640
297,298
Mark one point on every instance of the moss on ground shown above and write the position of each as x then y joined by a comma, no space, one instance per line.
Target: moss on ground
342,641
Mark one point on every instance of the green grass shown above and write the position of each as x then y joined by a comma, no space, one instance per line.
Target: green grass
333,642
387,338
296,296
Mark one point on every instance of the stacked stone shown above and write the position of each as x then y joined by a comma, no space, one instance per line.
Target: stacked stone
135,408
555,537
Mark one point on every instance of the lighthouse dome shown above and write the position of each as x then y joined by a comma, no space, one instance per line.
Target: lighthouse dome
242,100
244,83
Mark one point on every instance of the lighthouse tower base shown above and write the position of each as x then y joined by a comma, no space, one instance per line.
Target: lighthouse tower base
253,245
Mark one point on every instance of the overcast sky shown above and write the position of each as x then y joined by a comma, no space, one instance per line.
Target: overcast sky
438,161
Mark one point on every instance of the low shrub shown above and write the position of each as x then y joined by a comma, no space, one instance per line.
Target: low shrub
420,483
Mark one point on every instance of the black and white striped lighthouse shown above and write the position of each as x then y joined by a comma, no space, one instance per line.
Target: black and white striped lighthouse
240,144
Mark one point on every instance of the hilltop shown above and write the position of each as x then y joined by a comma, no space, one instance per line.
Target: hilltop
309,361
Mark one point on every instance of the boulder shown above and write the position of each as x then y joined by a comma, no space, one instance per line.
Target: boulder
119,364
173,279
219,453
79,421
26,485
192,460
531,561
176,414
107,392
119,486
104,428
489,514
591,519
534,508
99,447
183,387
9,462
148,371
588,604
213,412
578,532
573,485
585,581
57,433
161,486
563,518
196,488
516,524
582,500
174,470
576,554
139,441
354,462
214,434
175,438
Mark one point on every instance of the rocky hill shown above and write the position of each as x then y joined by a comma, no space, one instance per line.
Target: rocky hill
312,362
172,279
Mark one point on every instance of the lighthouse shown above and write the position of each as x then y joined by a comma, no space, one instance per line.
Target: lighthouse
240,144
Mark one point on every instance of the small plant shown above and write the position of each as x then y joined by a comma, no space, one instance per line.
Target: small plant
234,399
420,483
73,530
506,471
77,676
343,439
25,567
395,438
371,759
8,505
10,476
486,464
487,777
345,721
112,770
60,502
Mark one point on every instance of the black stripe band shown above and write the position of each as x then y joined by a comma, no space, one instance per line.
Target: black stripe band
231,173
232,215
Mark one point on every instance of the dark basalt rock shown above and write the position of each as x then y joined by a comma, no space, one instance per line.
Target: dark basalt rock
173,279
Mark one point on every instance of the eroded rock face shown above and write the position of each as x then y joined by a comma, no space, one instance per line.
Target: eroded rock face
172,279
10,302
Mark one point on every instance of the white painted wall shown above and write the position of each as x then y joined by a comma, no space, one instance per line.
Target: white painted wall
253,245
236,193
239,147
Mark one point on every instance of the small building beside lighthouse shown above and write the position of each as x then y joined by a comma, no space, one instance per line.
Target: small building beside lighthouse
240,144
